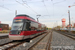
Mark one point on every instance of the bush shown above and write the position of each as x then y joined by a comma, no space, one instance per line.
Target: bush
4,31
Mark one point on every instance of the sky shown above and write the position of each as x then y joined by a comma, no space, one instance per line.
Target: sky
51,11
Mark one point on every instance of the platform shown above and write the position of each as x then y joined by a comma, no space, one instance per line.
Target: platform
4,34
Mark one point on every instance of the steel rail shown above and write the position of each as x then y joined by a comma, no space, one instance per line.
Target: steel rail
9,45
72,36
49,42
36,42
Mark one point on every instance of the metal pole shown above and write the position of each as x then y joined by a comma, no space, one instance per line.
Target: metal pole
38,17
15,12
37,20
69,20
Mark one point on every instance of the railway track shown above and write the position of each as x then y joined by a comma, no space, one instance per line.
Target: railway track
11,44
30,48
14,44
68,34
38,41
48,47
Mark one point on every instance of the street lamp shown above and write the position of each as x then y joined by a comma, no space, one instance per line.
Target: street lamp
69,20
41,16
69,17
15,12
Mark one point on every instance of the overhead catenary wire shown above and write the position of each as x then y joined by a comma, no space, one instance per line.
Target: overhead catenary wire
21,3
45,7
25,2
39,1
56,3
27,6
59,2
3,2
53,8
32,10
5,8
32,2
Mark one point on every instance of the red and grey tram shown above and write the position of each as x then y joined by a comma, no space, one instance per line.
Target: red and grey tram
24,27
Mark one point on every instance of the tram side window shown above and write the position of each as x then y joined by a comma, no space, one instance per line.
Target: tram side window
0,25
28,26
34,25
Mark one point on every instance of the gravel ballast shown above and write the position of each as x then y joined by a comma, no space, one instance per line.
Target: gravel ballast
61,41
26,44
6,40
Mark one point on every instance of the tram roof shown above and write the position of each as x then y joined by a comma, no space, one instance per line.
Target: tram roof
24,15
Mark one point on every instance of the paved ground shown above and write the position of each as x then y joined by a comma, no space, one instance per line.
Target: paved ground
3,34
61,41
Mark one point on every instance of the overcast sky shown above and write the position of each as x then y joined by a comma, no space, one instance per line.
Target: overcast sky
51,11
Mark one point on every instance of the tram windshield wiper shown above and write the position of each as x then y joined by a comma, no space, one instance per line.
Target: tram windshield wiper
19,28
